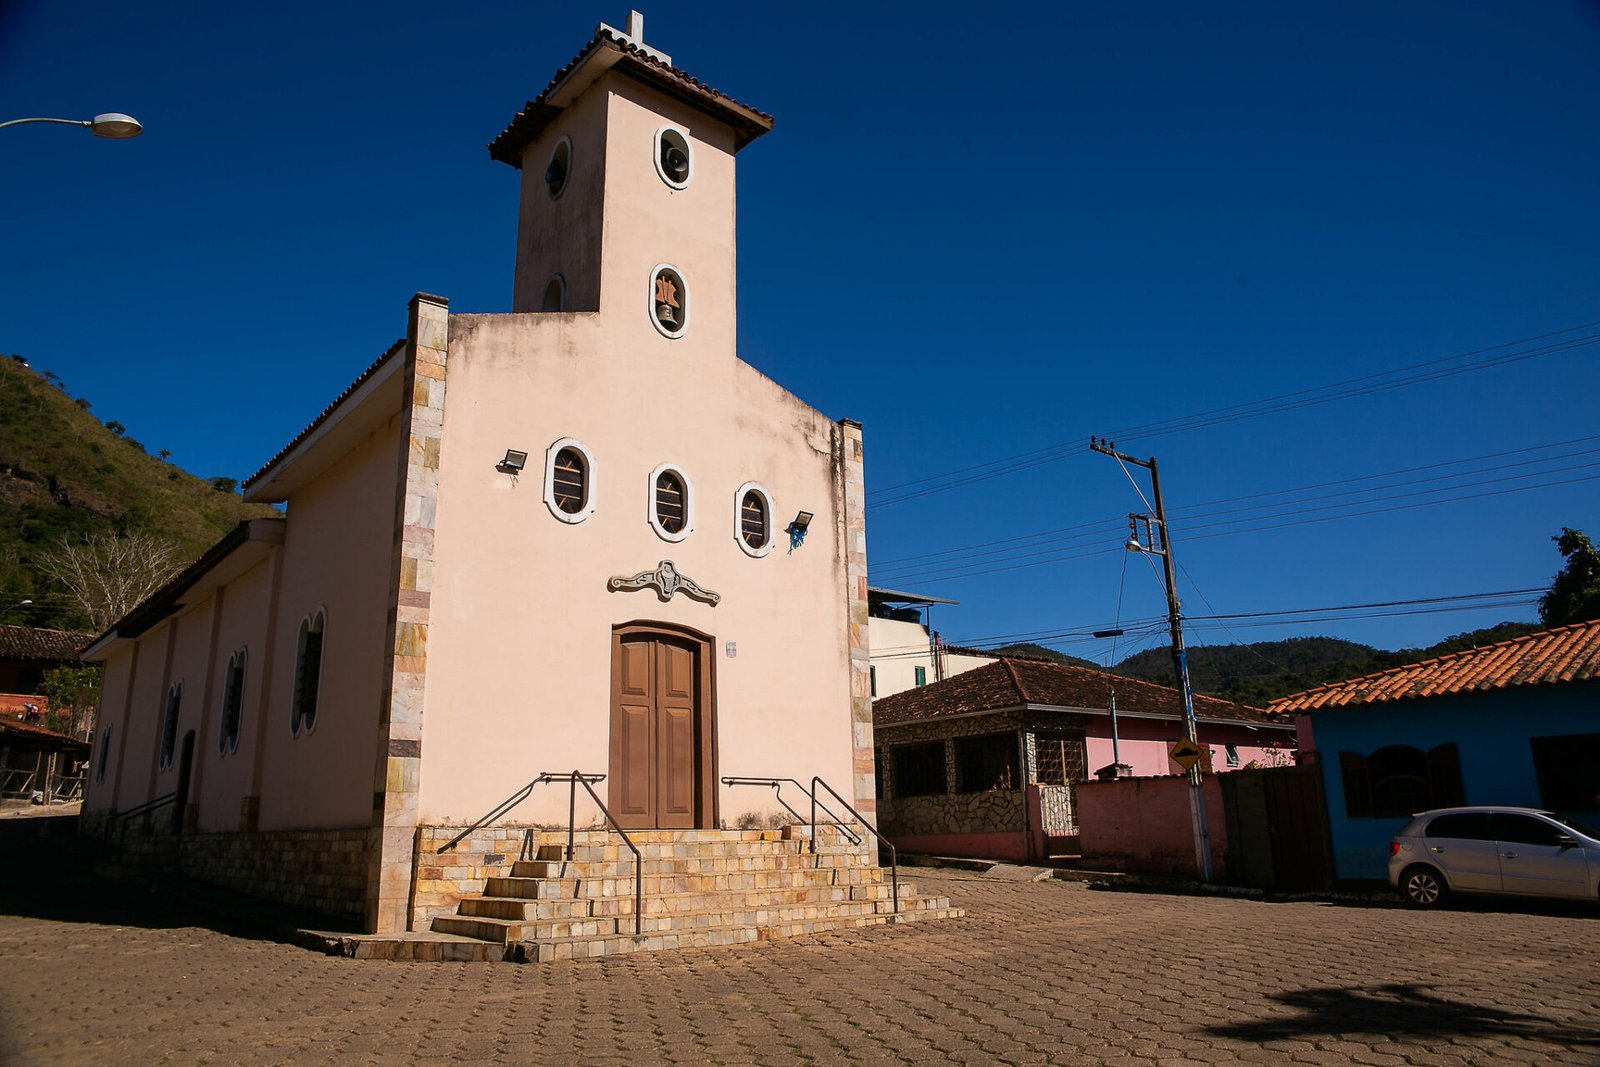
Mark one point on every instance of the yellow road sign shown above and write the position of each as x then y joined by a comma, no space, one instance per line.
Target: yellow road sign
1186,754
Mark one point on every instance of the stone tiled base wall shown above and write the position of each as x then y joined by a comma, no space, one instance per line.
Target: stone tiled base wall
954,813
324,870
994,846
443,878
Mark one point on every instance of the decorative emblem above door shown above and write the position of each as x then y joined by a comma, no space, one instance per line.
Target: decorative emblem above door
666,581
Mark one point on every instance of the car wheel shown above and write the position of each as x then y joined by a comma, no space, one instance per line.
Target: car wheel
1423,887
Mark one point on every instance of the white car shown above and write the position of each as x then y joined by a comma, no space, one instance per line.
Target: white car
1516,851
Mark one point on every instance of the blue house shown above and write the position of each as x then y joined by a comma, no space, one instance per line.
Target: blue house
1514,723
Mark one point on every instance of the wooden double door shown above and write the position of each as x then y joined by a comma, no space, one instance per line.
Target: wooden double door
662,773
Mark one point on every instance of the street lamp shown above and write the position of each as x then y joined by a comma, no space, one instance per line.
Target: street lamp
112,125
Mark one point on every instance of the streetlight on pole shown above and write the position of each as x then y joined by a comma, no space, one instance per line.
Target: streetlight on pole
112,125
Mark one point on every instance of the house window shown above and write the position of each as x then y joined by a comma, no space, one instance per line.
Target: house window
986,762
555,295
105,750
1059,758
569,480
559,168
307,674
752,520
169,724
921,675
673,157
872,677
232,702
671,503
1232,754
919,769
669,300
1568,771
1398,781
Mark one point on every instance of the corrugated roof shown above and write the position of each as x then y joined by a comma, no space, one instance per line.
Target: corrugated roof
50,646
1010,683
1564,654
748,123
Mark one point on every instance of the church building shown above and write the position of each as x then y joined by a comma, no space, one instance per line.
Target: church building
579,536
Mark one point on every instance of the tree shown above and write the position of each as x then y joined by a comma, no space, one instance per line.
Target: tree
106,576
165,454
1574,594
74,692
223,485
116,427
82,402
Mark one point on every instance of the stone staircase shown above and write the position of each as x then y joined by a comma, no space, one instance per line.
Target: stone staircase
700,888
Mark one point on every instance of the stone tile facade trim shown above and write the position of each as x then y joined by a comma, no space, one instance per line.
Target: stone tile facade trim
854,483
391,869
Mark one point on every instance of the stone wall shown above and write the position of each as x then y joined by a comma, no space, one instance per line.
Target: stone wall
954,813
443,878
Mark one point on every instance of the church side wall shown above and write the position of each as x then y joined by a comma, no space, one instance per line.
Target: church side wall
336,559
223,774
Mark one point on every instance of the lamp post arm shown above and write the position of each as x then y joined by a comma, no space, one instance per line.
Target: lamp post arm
64,122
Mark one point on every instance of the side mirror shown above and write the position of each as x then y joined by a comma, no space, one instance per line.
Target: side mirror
1566,841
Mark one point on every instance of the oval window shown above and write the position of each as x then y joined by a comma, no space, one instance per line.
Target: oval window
669,300
672,502
569,481
559,167
753,520
555,295
673,161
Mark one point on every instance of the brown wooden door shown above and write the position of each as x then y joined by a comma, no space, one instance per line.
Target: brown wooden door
660,737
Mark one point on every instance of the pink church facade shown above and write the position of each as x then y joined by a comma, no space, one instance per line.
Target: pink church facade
579,536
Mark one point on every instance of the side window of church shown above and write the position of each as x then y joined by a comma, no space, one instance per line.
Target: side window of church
232,703
105,750
307,674
671,503
1398,781
169,724
569,480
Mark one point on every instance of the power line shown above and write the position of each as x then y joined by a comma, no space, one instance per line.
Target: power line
1364,385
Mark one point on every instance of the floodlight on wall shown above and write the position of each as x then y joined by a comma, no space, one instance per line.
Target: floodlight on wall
513,463
798,528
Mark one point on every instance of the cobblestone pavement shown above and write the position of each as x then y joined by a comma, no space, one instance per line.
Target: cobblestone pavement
1036,973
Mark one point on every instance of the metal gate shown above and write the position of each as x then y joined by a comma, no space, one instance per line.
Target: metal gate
1277,828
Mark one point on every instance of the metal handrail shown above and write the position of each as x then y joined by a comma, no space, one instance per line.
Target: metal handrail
143,809
777,791
894,859
506,805
638,858
573,780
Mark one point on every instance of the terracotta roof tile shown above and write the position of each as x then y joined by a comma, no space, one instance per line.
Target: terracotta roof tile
748,123
31,732
28,643
1010,683
1564,654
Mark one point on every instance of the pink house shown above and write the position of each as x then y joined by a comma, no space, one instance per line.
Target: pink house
581,536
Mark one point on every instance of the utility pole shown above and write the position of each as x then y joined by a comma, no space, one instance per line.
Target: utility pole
1156,530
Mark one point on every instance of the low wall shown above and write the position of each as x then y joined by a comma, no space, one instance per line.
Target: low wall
322,870
995,811
1144,824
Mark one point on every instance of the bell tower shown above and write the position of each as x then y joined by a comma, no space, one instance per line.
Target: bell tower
627,203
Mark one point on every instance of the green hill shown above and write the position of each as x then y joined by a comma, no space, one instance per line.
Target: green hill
1260,672
62,473
1027,648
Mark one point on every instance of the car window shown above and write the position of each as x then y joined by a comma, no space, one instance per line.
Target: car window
1524,830
1462,826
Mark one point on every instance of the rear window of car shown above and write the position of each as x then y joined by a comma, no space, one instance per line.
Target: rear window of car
1461,826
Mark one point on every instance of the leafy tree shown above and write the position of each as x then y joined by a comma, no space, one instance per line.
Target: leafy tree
165,454
1574,594
223,485
82,402
74,693
116,427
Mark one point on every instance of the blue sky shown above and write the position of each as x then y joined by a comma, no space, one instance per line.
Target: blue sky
981,234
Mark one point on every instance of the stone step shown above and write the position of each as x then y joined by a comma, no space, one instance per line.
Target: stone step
669,885
556,867
515,907
721,925
600,945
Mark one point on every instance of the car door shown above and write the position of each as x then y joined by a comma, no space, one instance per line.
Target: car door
1461,845
1532,859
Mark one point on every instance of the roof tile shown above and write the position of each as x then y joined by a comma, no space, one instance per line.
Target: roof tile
52,646
1564,654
